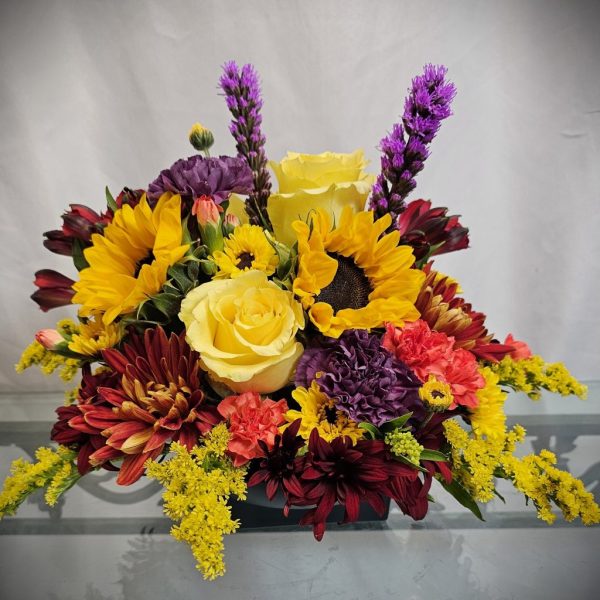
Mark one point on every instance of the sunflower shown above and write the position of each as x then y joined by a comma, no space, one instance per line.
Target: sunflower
246,248
318,410
128,262
353,276
93,336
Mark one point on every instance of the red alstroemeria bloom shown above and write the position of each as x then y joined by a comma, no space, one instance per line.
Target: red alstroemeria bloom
430,231
54,289
159,399
80,222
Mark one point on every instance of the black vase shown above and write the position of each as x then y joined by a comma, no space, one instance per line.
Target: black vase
258,512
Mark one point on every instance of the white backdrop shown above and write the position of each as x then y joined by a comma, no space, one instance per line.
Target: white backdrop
104,92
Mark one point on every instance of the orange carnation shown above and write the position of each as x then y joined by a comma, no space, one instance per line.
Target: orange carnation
251,420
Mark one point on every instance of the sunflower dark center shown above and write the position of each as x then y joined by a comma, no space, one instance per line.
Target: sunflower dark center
245,260
350,287
147,260
330,414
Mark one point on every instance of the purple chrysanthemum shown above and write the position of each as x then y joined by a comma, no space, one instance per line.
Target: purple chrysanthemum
404,150
363,378
198,176
243,97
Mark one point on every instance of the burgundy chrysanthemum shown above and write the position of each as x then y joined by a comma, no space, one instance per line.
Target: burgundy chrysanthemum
279,466
71,430
411,494
198,176
159,399
364,379
339,472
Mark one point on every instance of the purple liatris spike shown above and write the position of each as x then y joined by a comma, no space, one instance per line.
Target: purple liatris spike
404,150
242,94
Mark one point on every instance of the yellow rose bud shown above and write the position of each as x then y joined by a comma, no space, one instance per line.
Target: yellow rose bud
306,182
245,331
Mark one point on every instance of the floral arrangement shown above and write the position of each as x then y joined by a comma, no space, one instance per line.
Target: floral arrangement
230,336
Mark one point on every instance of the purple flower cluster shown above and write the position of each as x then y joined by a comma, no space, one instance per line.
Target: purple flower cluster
365,380
404,150
243,97
198,176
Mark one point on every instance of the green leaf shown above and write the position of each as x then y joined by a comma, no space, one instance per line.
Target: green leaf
497,493
179,274
110,201
433,455
462,495
397,423
168,304
193,271
78,256
405,460
370,430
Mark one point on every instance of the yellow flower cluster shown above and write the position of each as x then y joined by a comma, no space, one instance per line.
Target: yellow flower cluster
318,411
36,354
488,417
436,395
93,336
538,478
403,443
197,487
530,375
476,459
53,470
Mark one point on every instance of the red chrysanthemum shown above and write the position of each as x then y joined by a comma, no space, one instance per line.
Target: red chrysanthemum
159,399
71,430
339,472
444,311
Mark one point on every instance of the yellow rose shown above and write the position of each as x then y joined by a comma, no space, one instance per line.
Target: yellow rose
244,330
309,181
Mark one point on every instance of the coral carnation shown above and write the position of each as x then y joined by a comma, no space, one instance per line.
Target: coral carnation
424,351
251,420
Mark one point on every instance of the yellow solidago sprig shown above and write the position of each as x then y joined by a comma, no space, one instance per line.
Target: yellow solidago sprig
478,459
538,478
198,484
48,361
54,470
475,460
530,375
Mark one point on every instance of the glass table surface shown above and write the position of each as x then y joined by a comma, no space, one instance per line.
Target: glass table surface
105,542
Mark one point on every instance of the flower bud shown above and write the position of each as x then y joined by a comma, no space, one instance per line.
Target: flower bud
200,137
49,338
206,211
230,223
209,222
